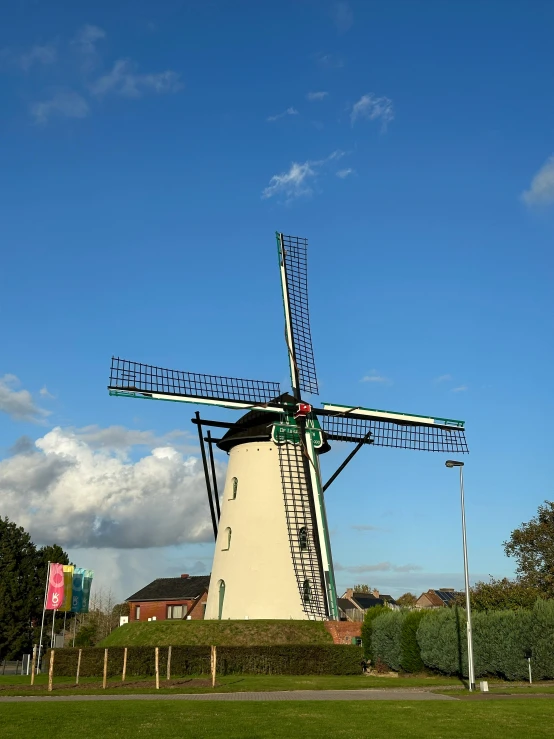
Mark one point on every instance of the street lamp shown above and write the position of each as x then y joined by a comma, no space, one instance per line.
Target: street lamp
453,463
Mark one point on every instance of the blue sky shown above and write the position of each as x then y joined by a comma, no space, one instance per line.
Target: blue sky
150,152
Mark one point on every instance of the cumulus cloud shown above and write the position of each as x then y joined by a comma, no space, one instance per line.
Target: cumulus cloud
45,393
298,179
343,17
65,104
379,567
77,489
344,173
374,376
372,108
124,81
288,111
313,96
38,55
18,404
541,191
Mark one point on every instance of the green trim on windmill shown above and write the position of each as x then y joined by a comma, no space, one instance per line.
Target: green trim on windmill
430,419
286,430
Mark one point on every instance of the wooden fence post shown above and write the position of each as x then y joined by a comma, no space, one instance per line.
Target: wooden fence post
213,661
51,670
157,660
169,663
78,667
34,664
105,677
124,665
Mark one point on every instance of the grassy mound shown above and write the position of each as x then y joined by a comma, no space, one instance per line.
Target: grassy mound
218,633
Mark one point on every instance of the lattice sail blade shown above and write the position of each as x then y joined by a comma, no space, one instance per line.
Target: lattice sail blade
293,260
394,429
144,380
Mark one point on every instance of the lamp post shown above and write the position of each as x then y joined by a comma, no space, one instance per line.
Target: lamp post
454,463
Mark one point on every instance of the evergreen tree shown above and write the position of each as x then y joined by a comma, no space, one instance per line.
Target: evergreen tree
18,606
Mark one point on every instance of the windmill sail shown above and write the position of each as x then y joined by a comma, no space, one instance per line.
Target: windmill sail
393,429
143,380
294,281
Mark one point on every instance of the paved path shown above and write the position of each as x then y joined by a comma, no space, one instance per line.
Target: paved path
281,695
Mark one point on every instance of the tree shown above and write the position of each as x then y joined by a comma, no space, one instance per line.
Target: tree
367,628
361,589
408,600
532,546
497,595
23,571
18,592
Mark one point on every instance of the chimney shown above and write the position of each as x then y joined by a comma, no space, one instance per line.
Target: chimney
185,576
349,593
375,593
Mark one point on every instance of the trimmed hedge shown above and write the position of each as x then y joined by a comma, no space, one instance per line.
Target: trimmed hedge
437,640
367,629
277,660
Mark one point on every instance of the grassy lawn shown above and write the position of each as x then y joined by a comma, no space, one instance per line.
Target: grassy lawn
10,685
220,633
265,720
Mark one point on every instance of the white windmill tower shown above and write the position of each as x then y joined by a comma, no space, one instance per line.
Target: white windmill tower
272,553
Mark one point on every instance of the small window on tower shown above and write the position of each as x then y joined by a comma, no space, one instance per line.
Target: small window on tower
303,538
234,488
227,539
307,591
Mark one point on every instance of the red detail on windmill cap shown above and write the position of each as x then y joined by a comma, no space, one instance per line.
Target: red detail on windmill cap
302,409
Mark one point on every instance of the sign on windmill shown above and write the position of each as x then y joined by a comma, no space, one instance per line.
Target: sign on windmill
273,553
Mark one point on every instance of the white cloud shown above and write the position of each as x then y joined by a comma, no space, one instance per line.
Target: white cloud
330,61
373,108
460,389
443,378
18,404
66,104
288,111
343,16
38,55
541,191
344,173
122,80
44,392
82,493
86,38
121,439
379,567
313,96
374,376
298,179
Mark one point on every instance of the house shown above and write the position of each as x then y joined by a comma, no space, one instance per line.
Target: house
353,604
170,598
437,598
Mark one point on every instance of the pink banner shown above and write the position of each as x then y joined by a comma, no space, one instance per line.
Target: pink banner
54,599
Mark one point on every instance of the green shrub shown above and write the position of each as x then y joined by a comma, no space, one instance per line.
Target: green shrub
367,627
442,639
410,652
542,641
385,638
195,660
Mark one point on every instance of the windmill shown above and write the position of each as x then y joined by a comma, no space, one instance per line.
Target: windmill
273,555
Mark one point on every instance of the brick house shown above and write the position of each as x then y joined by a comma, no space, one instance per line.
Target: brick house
353,604
170,598
441,598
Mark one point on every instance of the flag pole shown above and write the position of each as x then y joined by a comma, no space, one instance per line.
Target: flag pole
74,627
53,622
43,613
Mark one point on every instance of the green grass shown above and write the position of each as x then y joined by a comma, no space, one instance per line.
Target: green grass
220,633
228,684
265,720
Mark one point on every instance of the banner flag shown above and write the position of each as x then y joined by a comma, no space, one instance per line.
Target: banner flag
67,587
77,595
54,596
87,584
